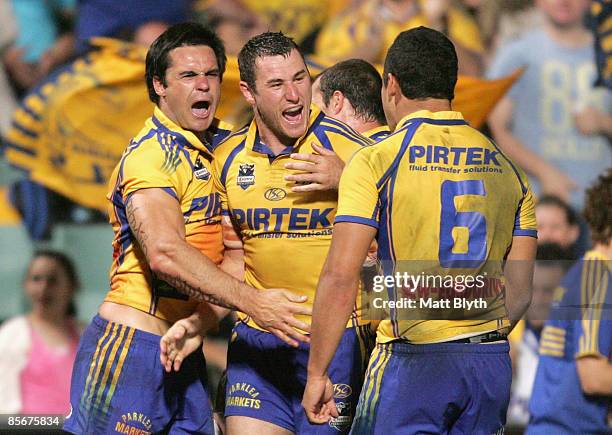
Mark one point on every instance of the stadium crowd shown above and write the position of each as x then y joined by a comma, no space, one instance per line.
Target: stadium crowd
159,117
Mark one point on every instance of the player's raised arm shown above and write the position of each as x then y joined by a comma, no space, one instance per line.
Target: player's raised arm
157,223
335,297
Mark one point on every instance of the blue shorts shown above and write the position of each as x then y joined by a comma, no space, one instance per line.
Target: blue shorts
266,379
441,388
120,386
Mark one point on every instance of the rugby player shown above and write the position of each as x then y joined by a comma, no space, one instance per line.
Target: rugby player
435,193
167,246
282,236
349,91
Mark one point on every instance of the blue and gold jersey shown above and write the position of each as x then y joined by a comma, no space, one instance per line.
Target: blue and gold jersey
443,198
377,133
285,234
580,325
167,157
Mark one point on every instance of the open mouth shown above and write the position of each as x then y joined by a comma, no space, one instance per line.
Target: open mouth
200,109
293,114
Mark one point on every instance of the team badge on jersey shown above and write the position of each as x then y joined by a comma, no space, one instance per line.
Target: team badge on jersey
200,171
246,175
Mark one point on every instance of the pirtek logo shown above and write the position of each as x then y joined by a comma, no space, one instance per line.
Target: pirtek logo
453,155
293,219
275,194
342,391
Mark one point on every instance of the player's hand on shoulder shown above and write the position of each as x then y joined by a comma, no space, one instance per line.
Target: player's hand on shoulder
182,339
274,311
318,400
320,171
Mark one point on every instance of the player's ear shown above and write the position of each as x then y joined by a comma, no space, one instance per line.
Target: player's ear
247,93
159,86
336,102
392,86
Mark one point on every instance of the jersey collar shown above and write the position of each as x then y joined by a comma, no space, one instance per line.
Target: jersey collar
185,137
447,117
376,131
254,143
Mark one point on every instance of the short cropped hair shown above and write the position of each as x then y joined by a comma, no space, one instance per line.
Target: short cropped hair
179,35
424,62
263,45
598,208
360,83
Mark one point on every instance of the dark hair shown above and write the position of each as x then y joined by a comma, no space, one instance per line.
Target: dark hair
598,208
263,45
570,214
179,35
553,254
360,83
424,62
68,267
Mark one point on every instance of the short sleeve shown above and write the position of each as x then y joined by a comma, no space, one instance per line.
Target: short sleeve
593,335
147,167
525,222
358,194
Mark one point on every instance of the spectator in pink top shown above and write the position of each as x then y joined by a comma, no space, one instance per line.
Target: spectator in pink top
37,350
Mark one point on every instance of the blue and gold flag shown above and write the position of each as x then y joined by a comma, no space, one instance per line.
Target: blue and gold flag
69,133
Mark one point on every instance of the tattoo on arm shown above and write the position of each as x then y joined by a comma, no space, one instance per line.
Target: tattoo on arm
180,284
137,227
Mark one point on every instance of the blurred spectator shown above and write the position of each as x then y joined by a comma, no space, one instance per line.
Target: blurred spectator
236,21
44,40
120,18
573,383
37,350
453,19
367,31
502,21
8,33
557,223
552,122
552,261
601,16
